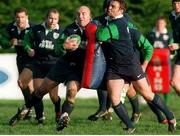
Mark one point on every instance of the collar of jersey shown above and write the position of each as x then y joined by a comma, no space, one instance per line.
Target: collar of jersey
45,26
27,24
117,17
174,14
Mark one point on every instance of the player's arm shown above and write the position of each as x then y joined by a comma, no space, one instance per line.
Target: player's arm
59,48
171,42
67,43
7,38
146,47
4,41
147,50
28,43
106,33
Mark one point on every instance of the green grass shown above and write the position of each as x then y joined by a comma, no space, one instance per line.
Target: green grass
79,124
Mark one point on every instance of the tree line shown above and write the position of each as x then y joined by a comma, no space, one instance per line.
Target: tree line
143,12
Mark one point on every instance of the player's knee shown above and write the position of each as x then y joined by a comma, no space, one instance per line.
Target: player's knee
72,90
71,100
39,93
21,84
172,82
71,97
54,97
148,97
175,84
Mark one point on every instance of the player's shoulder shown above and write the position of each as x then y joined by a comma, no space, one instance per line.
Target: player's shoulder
72,28
10,26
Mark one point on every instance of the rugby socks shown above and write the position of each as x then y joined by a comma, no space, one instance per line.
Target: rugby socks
26,94
121,111
39,109
158,113
135,104
108,103
157,101
33,100
67,107
102,97
57,106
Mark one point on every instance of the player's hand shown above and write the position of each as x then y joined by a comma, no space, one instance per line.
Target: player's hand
71,44
173,46
14,42
31,52
144,65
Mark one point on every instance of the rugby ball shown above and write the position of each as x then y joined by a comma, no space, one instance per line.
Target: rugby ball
75,37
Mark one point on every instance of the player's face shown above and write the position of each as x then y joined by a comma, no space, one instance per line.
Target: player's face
21,19
83,16
161,24
52,20
176,6
114,9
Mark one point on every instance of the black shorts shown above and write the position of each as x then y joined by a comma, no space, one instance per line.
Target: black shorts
23,63
177,61
63,71
41,70
131,71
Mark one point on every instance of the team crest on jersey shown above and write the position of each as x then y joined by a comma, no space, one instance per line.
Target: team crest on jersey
55,35
165,37
26,31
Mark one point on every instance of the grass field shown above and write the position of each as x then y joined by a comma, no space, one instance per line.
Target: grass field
79,124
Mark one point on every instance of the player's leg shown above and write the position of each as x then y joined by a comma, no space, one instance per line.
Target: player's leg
24,82
176,78
145,90
72,89
39,107
114,89
102,110
158,113
35,98
133,98
57,102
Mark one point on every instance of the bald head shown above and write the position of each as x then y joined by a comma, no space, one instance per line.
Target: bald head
83,15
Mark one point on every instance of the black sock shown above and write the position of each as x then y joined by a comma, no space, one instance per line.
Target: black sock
135,104
158,113
121,111
39,109
108,103
33,100
157,101
26,94
102,97
67,107
57,105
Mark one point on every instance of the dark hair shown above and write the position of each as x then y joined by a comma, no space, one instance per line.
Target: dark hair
20,9
106,4
161,18
175,1
53,10
123,5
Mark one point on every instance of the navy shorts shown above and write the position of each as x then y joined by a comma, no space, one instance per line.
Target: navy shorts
23,62
129,70
177,61
41,70
63,71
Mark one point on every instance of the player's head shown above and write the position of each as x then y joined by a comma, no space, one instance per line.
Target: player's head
176,5
83,15
21,16
161,23
52,18
116,8
106,4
